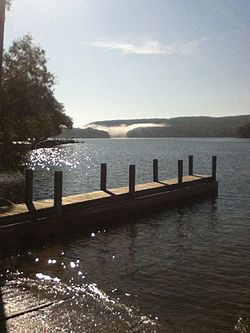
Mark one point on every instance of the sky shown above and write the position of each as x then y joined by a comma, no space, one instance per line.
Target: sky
123,59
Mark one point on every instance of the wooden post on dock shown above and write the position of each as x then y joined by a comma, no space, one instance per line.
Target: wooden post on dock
29,187
214,167
131,179
190,165
103,176
155,170
58,191
180,172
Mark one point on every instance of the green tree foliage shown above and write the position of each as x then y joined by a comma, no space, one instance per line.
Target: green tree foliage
29,109
29,106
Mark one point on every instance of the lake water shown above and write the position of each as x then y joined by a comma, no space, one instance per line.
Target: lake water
182,270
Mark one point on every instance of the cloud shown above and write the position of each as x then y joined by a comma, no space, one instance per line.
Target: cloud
149,47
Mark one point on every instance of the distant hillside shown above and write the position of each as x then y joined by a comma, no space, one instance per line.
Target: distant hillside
174,127
181,126
83,133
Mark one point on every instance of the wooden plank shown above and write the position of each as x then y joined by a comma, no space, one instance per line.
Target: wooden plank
103,185
190,164
155,170
131,181
28,186
180,172
58,179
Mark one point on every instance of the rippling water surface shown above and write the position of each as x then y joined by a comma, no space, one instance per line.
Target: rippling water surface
183,270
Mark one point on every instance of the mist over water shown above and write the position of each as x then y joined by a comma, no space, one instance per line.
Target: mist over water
122,130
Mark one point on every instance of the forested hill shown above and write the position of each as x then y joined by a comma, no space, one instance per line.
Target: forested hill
183,126
173,127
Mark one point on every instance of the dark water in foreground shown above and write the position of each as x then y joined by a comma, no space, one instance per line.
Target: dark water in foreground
183,270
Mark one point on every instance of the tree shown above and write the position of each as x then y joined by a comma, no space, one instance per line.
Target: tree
29,106
3,5
29,110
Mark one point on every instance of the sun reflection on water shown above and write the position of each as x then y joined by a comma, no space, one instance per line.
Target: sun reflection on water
51,158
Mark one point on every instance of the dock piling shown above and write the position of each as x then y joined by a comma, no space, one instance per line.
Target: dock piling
155,170
190,165
180,172
103,176
58,191
29,187
131,179
214,167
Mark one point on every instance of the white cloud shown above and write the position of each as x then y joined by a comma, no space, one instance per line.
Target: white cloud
149,47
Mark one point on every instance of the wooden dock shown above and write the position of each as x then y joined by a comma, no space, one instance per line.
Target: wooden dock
39,220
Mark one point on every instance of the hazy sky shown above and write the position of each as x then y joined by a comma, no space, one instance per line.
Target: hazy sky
117,59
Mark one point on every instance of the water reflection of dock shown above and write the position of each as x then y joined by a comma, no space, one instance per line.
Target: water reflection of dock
38,220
